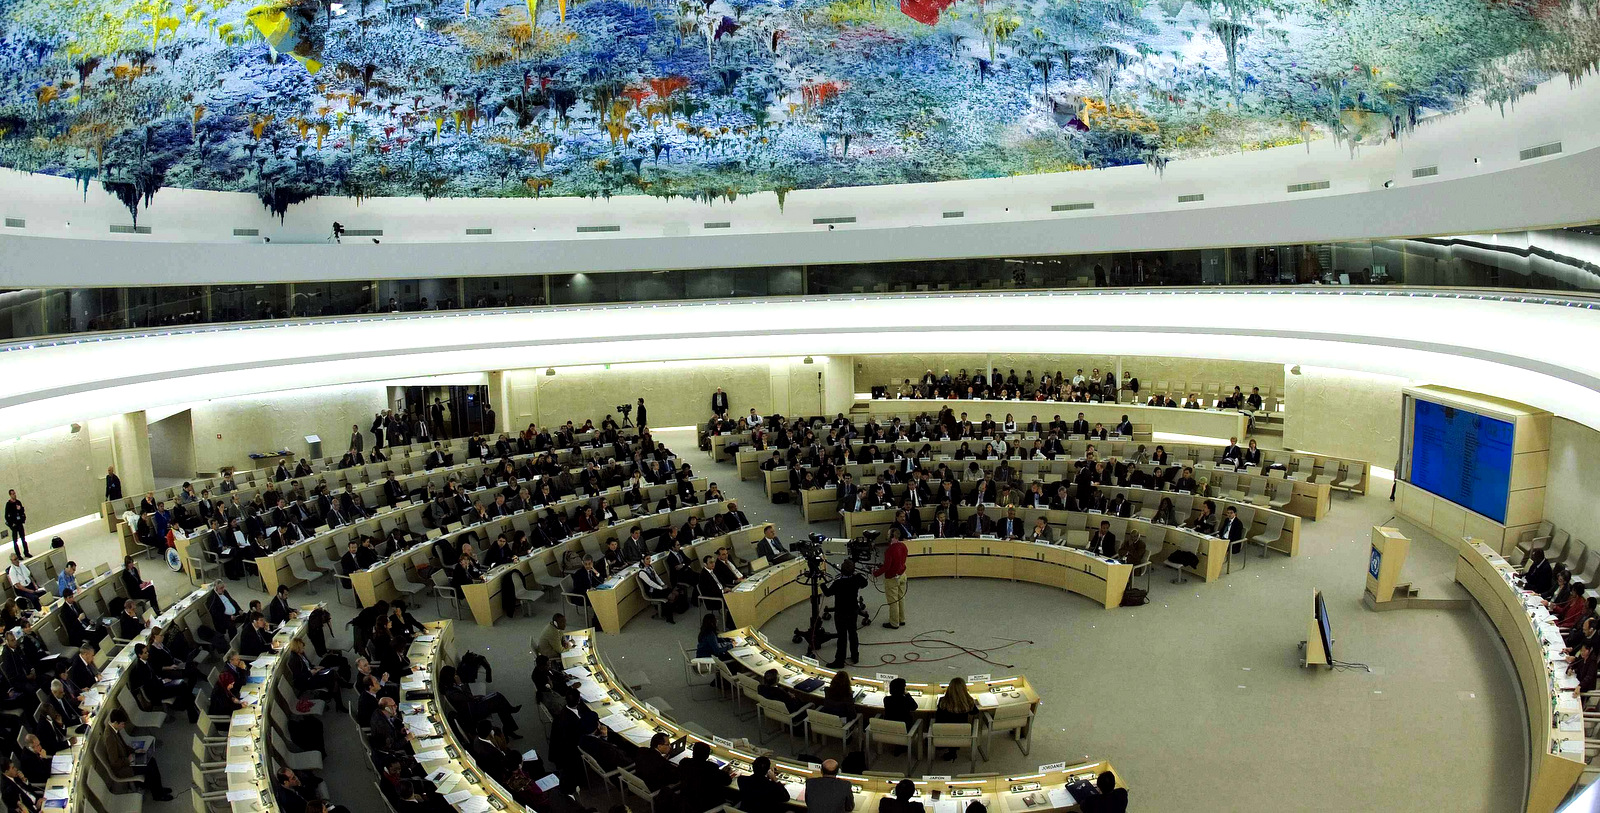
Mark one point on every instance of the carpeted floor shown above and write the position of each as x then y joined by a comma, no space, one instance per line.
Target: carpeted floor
1197,698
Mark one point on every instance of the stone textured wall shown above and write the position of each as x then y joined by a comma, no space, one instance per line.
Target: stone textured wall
676,393
273,421
53,474
1345,414
1574,469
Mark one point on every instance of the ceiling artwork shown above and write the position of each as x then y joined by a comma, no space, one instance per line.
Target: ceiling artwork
713,99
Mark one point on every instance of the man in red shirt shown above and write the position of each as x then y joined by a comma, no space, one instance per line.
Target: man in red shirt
893,572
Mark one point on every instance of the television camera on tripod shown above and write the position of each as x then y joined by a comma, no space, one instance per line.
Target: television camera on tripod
817,576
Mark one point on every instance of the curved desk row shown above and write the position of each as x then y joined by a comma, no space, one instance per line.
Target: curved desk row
252,753
80,772
755,654
403,459
1076,525
1303,499
765,594
944,451
369,482
377,581
624,714
447,760
277,567
1206,423
1550,691
621,597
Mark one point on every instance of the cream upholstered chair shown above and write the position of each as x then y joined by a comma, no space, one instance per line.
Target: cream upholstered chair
882,732
775,711
1270,533
822,725
636,786
1257,495
1351,478
954,735
1015,719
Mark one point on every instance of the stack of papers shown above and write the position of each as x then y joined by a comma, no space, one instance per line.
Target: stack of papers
241,767
61,764
619,723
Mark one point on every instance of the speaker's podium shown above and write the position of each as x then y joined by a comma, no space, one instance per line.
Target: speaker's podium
1385,591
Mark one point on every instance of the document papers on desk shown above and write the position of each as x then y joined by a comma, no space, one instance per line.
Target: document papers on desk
619,722
246,795
590,691
947,806
61,764
1061,797
419,724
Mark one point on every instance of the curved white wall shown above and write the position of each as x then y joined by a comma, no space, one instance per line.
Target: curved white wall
1481,186
1540,354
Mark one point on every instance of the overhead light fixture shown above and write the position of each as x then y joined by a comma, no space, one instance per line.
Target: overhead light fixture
809,360
1388,184
549,371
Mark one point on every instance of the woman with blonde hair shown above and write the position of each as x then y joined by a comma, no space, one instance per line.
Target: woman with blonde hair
955,706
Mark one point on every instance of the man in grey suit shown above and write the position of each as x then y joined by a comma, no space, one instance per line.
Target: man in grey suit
357,442
828,793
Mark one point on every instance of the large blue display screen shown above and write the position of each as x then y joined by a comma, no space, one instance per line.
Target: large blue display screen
1462,456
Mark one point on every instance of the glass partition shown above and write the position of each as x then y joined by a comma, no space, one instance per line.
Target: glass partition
1553,260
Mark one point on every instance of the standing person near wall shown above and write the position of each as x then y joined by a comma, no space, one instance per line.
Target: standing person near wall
16,517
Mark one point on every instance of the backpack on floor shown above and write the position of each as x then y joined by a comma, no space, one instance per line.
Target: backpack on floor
1134,597
780,498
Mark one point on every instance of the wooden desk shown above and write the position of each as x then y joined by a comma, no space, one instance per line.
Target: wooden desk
776,481
819,504
621,597
422,708
1554,711
636,721
748,462
757,599
719,444
755,654
251,759
1186,506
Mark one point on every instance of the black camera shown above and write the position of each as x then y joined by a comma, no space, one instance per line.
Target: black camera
625,408
811,548
862,549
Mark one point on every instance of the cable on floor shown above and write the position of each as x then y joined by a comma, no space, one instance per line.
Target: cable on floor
930,641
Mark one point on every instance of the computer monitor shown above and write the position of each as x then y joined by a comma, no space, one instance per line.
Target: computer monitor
1324,627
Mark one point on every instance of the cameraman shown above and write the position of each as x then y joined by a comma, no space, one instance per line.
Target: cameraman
846,593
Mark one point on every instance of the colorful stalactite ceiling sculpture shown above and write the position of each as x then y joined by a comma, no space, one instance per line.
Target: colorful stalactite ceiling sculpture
710,99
